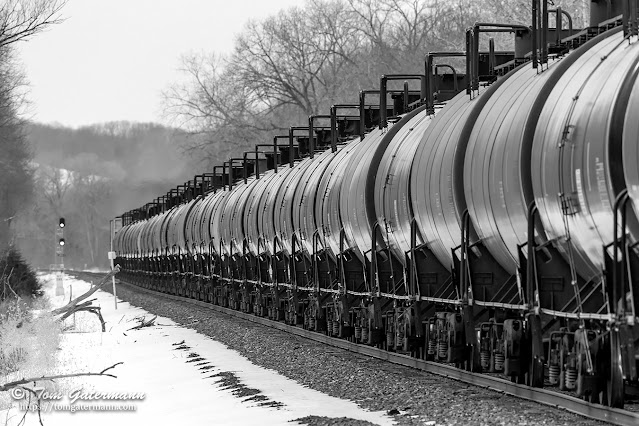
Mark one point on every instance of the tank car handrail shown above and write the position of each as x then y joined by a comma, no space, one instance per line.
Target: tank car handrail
428,73
465,285
617,244
374,281
559,24
215,169
454,72
311,136
363,107
333,114
315,267
293,277
485,27
245,162
531,279
383,92
230,163
256,152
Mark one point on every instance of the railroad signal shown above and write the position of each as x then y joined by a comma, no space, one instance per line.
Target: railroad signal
61,241
61,223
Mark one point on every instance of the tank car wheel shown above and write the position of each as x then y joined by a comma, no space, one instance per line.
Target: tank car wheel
536,373
614,382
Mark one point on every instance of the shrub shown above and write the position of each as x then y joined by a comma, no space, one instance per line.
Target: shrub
17,276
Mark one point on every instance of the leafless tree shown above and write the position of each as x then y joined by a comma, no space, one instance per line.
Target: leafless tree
22,19
303,59
19,20
296,57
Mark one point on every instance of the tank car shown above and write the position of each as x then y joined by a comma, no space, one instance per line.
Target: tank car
486,219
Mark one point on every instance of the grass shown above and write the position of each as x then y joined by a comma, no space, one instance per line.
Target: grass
29,340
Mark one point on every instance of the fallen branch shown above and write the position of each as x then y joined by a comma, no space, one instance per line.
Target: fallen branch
78,305
80,298
11,385
143,324
93,309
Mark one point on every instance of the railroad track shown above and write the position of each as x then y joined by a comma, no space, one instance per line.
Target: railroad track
629,416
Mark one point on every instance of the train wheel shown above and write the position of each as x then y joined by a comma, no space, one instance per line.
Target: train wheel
536,372
614,383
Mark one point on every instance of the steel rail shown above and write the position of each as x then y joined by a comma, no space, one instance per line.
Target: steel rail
543,396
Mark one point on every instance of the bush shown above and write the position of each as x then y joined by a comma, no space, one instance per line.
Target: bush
17,276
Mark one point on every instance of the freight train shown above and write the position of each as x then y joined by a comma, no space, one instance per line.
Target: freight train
485,217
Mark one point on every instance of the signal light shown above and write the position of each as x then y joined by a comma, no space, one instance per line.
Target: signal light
61,241
61,223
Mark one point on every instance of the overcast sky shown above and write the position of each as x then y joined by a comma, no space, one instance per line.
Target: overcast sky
111,59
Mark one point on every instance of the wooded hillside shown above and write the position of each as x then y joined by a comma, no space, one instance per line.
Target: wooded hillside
90,175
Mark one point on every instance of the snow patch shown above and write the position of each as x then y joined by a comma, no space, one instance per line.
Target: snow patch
177,391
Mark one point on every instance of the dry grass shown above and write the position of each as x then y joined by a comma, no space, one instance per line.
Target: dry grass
29,340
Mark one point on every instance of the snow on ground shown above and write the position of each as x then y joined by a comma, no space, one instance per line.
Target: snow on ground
176,391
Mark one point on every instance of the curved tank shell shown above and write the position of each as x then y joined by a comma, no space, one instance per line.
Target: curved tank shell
267,213
238,212
304,198
574,186
437,191
327,204
392,185
251,212
217,210
231,241
497,183
283,204
210,201
631,140
354,206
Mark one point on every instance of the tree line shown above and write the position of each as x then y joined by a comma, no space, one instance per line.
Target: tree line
301,60
19,21
88,176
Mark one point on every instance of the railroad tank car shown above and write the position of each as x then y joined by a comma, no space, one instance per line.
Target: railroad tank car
487,219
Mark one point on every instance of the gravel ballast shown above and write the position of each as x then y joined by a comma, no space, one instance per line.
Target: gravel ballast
410,396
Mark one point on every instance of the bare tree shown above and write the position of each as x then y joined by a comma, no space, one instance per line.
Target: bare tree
16,174
90,194
296,57
301,60
213,108
283,69
54,184
21,19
